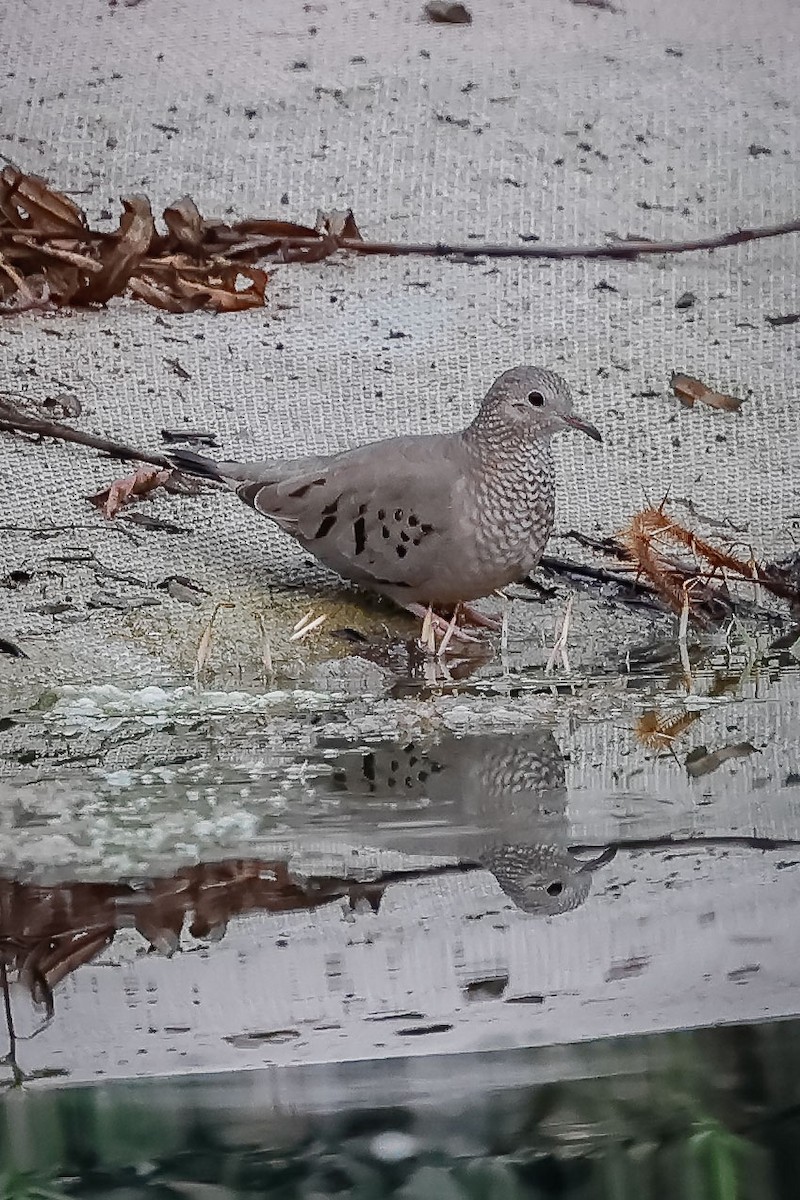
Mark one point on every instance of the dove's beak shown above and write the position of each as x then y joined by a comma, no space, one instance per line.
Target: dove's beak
585,427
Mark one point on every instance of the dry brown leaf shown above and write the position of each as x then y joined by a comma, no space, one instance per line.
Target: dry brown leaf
216,289
60,281
121,256
690,390
133,487
702,762
22,293
185,223
442,12
339,224
164,291
50,257
27,202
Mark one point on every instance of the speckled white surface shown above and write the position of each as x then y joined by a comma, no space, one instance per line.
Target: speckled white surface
557,120
553,120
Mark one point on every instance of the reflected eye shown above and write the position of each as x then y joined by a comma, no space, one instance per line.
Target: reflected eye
536,399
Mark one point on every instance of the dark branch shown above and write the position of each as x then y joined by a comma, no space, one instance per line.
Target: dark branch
622,249
19,423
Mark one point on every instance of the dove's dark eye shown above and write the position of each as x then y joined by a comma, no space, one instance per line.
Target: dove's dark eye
536,399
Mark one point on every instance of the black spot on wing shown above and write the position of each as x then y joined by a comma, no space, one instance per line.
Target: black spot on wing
360,534
326,525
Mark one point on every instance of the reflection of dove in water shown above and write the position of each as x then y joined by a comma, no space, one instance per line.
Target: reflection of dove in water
498,801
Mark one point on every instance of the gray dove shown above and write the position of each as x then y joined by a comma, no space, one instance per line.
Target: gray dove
431,521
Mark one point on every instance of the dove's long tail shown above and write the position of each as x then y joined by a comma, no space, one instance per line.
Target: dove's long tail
196,464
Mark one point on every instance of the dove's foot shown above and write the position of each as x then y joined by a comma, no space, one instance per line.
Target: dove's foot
472,616
446,628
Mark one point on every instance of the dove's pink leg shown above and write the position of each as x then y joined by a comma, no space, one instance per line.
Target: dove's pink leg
440,625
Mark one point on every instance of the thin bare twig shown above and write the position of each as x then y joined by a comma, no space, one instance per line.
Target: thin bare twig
635,248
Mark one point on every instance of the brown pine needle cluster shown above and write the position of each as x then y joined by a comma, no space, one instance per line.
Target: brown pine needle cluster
657,731
651,541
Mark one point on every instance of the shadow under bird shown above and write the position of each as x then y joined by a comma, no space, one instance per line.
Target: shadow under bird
432,521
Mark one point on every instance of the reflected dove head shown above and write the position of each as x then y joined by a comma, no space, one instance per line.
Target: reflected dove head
541,880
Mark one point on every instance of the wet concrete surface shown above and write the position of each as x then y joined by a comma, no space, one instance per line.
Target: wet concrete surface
204,882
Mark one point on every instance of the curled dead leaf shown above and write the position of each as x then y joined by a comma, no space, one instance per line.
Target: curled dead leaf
49,257
690,391
216,288
28,202
185,224
339,224
133,487
121,257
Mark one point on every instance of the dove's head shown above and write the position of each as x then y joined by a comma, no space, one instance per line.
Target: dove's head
530,402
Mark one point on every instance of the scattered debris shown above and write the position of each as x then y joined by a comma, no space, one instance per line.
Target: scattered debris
60,405
177,368
11,648
486,989
604,5
658,732
16,579
786,319
614,585
104,599
307,624
51,258
756,151
687,589
133,487
157,524
444,13
787,569
627,969
690,390
687,300
560,645
702,762
203,653
179,587
193,436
